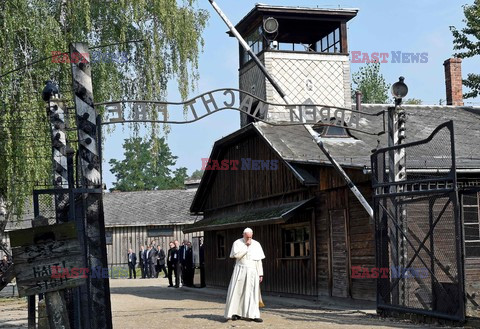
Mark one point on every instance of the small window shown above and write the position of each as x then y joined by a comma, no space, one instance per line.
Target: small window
331,43
471,225
221,245
332,131
163,231
296,241
108,237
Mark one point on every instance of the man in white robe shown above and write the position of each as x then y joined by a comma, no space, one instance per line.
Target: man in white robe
244,289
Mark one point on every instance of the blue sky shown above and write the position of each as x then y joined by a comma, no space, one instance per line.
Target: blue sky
381,26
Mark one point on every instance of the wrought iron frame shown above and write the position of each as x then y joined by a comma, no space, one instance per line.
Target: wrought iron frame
415,190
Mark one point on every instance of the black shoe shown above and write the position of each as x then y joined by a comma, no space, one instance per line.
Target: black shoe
177,286
170,285
257,320
236,317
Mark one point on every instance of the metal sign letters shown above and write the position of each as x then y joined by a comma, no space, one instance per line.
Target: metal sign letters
197,108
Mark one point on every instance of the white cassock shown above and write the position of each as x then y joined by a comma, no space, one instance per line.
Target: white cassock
244,289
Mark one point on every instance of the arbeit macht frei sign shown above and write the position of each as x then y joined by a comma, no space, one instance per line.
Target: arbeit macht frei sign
229,99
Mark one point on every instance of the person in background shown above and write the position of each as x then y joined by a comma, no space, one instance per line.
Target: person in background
182,256
132,261
189,269
161,262
178,265
4,264
172,264
202,265
141,262
147,262
153,260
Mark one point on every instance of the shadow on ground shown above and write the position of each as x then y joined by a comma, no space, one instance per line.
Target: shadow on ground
292,312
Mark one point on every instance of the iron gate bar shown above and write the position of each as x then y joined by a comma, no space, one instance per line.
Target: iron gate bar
448,125
412,193
397,280
420,247
428,297
428,313
437,262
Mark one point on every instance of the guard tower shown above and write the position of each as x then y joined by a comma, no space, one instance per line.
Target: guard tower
306,51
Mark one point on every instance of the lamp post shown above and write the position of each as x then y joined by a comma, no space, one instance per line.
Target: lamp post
398,173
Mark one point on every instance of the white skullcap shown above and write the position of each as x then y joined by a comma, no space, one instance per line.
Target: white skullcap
248,230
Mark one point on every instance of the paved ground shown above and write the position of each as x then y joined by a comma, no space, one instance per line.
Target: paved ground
148,303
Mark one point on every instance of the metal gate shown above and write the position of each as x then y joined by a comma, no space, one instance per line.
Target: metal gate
419,235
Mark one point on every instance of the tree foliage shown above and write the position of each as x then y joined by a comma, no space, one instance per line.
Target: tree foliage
371,83
413,101
168,38
143,170
467,41
197,174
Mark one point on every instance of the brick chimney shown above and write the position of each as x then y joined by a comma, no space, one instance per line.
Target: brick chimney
453,81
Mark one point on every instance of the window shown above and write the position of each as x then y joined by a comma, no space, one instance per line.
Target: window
108,237
255,41
221,245
332,131
296,241
331,43
471,225
162,231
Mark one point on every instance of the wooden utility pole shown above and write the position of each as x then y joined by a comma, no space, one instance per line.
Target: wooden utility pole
89,164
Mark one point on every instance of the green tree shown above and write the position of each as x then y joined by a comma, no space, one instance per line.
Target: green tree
162,41
467,41
197,174
413,101
143,170
371,83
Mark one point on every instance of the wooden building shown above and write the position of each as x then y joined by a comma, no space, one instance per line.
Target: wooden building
311,226
133,219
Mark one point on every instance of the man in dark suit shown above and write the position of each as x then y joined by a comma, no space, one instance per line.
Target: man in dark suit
202,264
153,261
172,264
161,262
142,263
132,261
182,256
147,261
189,270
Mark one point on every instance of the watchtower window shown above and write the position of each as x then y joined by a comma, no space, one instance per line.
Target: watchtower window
255,41
330,43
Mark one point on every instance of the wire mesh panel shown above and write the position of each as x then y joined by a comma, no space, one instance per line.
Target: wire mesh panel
418,229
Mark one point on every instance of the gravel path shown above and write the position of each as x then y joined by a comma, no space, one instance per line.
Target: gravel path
149,303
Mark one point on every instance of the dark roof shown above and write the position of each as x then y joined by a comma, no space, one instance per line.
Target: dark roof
296,146
148,208
271,215
296,19
293,143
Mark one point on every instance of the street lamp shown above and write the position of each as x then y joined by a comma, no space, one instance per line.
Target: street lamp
399,90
